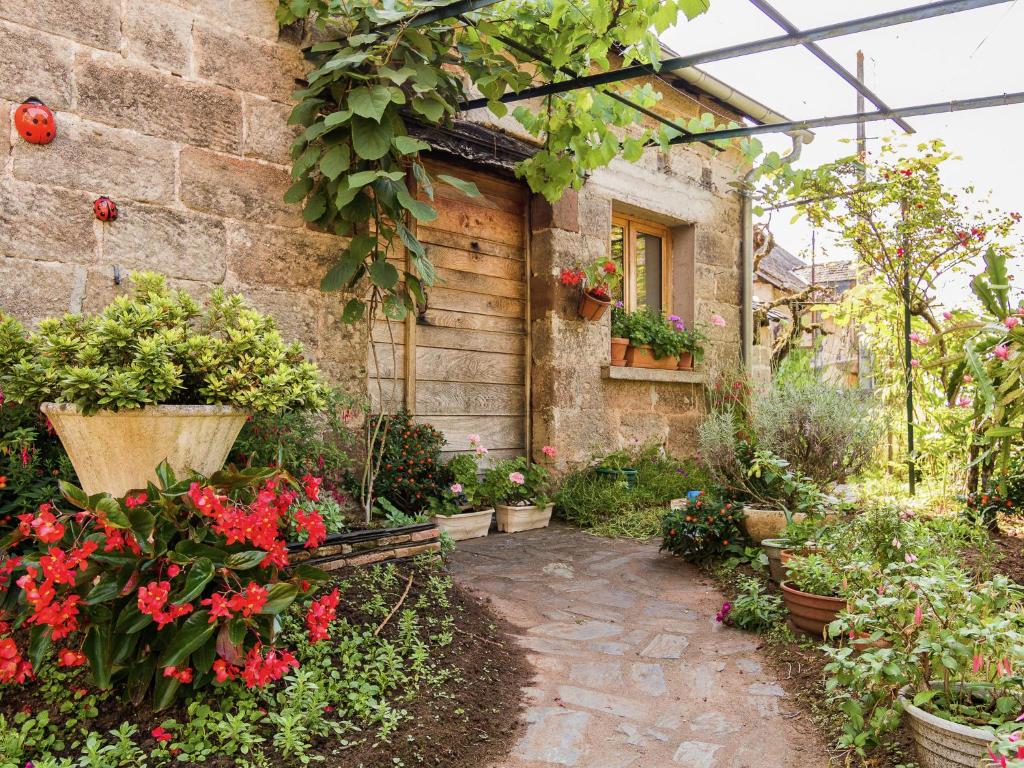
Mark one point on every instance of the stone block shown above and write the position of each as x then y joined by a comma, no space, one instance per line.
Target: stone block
433,547
100,288
295,313
343,344
112,91
643,428
675,398
595,215
718,249
160,34
728,287
284,258
180,244
267,133
6,127
562,214
253,17
428,535
94,22
102,160
682,434
628,395
236,188
34,64
47,224
246,63
33,290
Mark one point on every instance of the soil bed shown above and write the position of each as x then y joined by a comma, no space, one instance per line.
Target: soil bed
470,720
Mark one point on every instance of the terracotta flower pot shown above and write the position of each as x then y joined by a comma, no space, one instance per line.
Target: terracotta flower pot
619,346
117,451
465,525
642,356
761,524
525,518
811,614
592,307
940,743
773,550
685,361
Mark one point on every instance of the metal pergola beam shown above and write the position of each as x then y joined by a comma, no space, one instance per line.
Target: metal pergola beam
827,32
816,50
857,117
440,13
538,56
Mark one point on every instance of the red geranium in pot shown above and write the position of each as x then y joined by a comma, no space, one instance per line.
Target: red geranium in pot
597,281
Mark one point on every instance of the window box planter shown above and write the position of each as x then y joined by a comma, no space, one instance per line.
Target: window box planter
619,346
118,451
627,474
808,613
591,307
512,519
642,356
940,743
465,525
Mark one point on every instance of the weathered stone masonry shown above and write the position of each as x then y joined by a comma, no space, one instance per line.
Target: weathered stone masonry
176,110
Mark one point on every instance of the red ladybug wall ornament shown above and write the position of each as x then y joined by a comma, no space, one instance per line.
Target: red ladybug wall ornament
105,209
34,122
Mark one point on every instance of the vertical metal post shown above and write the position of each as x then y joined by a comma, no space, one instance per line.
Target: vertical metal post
862,142
911,466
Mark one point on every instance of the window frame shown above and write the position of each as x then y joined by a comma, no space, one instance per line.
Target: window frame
631,227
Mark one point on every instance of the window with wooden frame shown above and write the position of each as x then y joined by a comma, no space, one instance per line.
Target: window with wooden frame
643,252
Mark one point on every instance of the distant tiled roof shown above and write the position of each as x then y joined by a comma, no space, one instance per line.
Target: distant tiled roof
828,273
782,269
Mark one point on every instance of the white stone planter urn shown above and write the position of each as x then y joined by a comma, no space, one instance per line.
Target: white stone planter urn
465,525
525,518
940,743
117,451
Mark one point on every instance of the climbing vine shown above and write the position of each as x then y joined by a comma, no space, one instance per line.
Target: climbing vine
377,75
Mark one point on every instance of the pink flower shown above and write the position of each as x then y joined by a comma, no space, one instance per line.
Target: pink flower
1011,322
1002,352
456,488
910,558
915,363
917,338
918,616
947,315
968,378
718,320
516,477
474,440
964,402
549,451
481,451
977,663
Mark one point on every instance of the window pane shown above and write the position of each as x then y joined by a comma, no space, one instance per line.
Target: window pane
618,256
648,271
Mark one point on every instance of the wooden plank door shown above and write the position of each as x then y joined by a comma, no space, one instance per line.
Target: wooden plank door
469,372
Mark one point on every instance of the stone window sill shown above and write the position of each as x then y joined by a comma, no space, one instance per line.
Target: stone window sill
622,373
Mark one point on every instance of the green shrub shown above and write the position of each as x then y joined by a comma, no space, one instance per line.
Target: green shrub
702,528
754,608
826,432
411,471
156,346
815,574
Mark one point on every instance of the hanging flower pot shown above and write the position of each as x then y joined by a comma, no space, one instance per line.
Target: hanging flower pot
592,307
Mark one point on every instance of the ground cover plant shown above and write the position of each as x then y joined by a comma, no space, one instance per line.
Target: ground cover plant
392,661
608,506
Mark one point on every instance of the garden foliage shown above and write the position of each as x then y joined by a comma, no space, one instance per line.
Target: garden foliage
408,456
702,528
158,346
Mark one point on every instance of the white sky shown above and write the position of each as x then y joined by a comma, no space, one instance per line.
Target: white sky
969,54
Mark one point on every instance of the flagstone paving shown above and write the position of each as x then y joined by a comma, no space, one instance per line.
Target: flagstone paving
632,671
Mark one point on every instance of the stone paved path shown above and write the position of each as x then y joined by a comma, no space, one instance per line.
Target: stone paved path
632,671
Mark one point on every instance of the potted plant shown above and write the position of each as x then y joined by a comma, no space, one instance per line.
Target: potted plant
618,465
520,493
691,343
811,592
653,342
620,334
154,377
597,282
461,510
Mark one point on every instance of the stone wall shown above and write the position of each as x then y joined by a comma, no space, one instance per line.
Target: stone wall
177,111
578,410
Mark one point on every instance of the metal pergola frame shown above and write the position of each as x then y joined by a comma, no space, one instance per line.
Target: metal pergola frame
793,36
